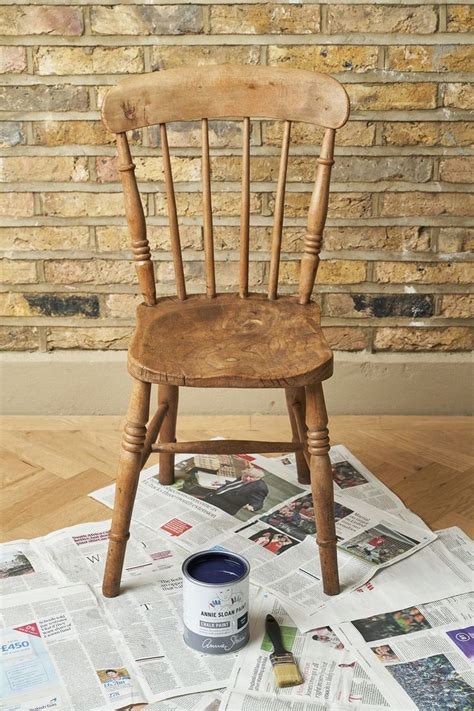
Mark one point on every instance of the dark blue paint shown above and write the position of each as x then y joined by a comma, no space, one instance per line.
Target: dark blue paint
216,567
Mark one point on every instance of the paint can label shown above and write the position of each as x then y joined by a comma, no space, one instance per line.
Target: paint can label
216,616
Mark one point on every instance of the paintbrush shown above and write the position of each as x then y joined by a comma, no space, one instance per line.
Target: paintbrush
284,666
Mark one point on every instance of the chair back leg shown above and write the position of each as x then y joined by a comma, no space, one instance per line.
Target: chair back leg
133,441
296,404
168,395
322,486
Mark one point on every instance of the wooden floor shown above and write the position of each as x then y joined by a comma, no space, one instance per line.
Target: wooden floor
50,464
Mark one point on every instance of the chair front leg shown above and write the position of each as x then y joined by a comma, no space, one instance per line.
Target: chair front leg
322,486
133,440
296,404
168,394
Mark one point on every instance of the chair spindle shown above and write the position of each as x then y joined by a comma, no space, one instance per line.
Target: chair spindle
245,210
278,214
172,215
207,212
136,222
317,212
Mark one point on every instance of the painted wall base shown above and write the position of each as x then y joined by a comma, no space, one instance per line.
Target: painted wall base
97,383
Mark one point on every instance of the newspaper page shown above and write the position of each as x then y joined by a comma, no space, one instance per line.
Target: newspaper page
59,653
444,568
24,566
330,672
79,552
149,614
190,702
421,655
239,503
352,478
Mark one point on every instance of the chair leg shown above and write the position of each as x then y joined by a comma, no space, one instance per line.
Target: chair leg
322,486
133,440
168,394
296,404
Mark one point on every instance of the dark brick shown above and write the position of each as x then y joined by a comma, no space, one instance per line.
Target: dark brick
380,306
55,305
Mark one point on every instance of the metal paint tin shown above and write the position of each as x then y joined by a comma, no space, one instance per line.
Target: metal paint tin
216,601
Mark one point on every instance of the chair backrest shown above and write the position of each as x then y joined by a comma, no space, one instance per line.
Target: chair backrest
226,91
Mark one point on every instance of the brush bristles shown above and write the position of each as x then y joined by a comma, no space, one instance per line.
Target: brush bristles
286,670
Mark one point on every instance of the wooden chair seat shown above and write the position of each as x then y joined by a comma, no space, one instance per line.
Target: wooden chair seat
230,342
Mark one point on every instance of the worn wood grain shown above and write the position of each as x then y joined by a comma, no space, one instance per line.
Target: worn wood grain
225,91
230,342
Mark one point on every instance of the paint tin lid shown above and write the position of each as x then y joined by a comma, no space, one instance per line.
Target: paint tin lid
215,568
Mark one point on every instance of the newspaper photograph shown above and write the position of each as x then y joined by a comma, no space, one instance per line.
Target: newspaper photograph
24,566
329,669
421,655
276,534
59,653
444,568
149,614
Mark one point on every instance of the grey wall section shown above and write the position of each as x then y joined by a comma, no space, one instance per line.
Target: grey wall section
97,383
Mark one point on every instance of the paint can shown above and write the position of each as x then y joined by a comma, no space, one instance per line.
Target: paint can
216,601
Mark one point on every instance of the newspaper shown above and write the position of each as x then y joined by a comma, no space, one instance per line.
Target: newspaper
421,655
329,669
149,615
444,568
241,504
148,611
59,653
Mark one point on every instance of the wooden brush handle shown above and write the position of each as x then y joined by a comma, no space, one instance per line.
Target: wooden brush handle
272,628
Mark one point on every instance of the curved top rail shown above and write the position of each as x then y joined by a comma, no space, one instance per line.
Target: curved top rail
225,91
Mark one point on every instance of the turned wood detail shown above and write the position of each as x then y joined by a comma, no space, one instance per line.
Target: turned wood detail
317,213
136,222
322,486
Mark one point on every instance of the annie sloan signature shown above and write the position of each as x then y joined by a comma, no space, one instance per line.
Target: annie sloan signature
225,645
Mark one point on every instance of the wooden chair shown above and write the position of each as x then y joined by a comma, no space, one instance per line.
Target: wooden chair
226,340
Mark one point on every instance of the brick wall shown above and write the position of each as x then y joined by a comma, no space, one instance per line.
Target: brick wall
396,271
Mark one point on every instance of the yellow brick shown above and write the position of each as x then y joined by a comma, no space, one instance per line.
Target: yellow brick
388,97
423,204
168,57
88,60
122,305
460,18
428,133
18,272
340,204
150,169
453,338
265,19
456,239
189,204
392,239
354,133
325,58
70,271
459,169
12,60
346,338
82,204
41,19
59,133
460,96
457,305
101,338
18,338
16,204
117,238
423,273
429,58
330,272
51,168
146,19
382,18
44,238
227,238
